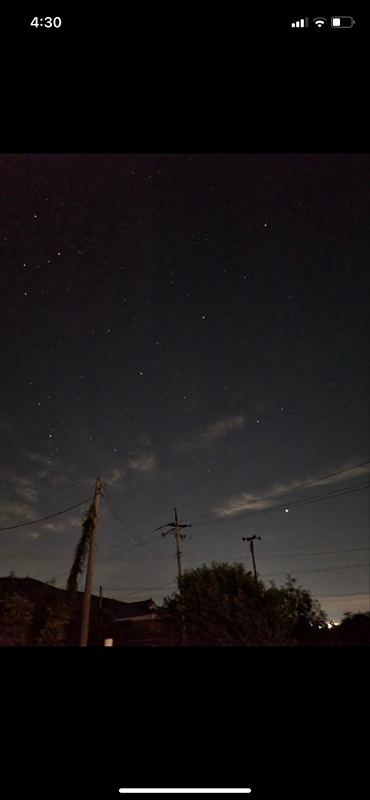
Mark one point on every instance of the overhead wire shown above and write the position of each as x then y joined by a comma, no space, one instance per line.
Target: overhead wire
260,511
23,524
319,553
279,441
316,498
295,504
286,491
268,496
113,508
209,478
145,588
140,544
108,497
344,594
307,571
329,495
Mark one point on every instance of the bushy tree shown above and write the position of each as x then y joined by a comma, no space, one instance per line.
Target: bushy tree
53,633
354,630
223,605
297,603
16,614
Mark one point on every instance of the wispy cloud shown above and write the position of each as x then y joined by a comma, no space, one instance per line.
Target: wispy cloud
40,458
348,474
27,492
56,527
25,488
114,476
11,510
139,462
212,433
59,480
143,462
248,500
221,428
75,522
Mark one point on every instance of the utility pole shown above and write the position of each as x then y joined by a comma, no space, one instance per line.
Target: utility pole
250,540
100,596
174,528
89,573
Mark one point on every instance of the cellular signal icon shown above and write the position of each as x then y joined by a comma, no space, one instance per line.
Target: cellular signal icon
301,23
319,21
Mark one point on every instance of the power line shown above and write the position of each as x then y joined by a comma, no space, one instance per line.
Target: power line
315,499
329,495
333,493
22,525
320,553
307,571
287,491
66,569
25,557
261,511
266,497
253,513
297,555
326,496
136,536
294,555
279,441
143,544
343,594
308,546
110,504
140,544
145,588
121,544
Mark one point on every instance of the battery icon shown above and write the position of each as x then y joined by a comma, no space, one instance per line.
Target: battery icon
342,22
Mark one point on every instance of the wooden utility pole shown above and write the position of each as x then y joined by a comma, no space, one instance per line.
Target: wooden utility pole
100,596
250,540
174,528
89,573
178,545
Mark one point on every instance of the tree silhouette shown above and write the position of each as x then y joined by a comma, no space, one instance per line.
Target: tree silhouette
16,614
222,605
81,550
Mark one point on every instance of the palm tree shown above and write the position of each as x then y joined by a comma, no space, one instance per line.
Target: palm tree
81,550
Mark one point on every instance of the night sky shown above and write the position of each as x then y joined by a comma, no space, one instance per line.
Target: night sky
193,329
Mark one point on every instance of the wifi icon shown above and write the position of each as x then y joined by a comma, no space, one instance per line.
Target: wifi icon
319,21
